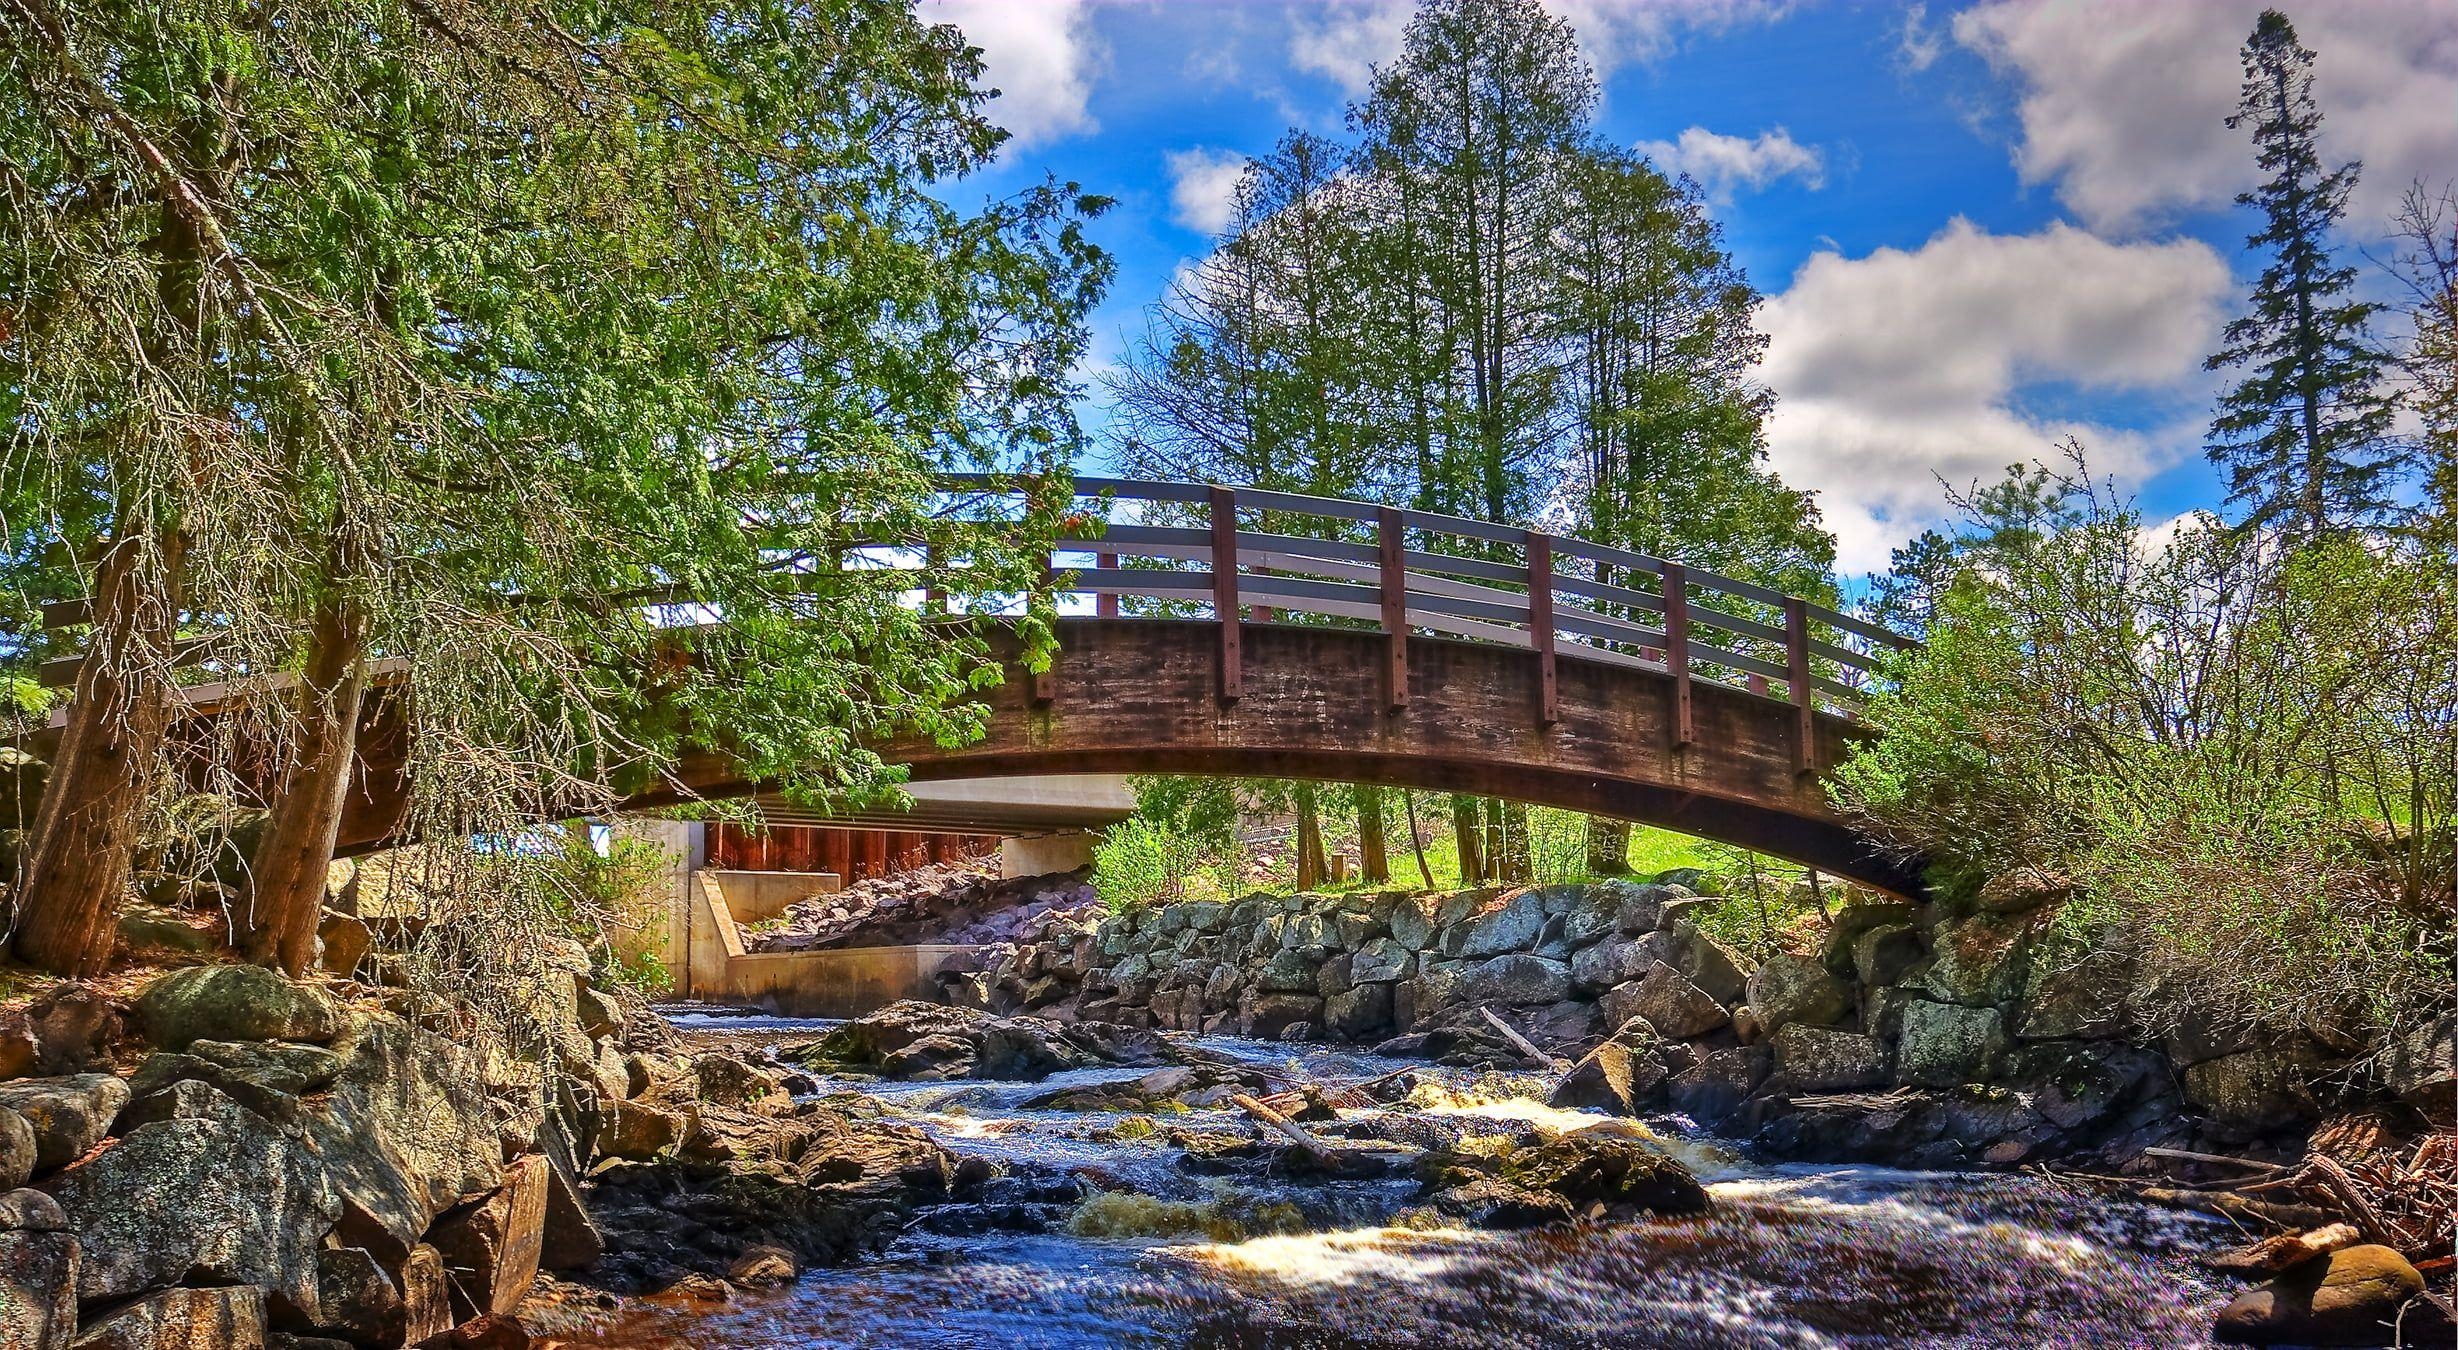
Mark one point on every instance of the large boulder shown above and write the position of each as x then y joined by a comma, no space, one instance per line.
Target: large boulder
1624,1175
220,1197
931,1041
67,1115
16,1149
491,1247
1787,989
2350,1297
1380,961
229,1317
1710,1090
405,1130
2253,1091
1980,961
1273,1016
74,1027
357,1299
1361,1013
38,1289
1603,965
1510,926
2076,994
2422,1073
1820,1059
1612,1078
235,1003
1671,1004
1843,934
1516,979
1945,1044
1883,955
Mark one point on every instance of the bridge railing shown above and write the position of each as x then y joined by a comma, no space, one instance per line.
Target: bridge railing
1403,571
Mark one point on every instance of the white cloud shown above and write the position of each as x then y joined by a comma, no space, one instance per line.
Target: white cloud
1203,187
2123,104
1904,366
1040,56
1917,44
1723,163
1344,40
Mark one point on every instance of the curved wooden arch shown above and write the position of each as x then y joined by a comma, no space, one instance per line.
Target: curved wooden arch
1145,696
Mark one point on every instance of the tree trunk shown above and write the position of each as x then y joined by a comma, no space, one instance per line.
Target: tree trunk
287,899
1310,866
85,832
1416,836
1608,847
1373,850
1518,861
1469,833
1494,861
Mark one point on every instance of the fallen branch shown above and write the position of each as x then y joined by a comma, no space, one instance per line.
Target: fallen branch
2349,1193
2188,1155
1288,1129
1525,1046
2274,1254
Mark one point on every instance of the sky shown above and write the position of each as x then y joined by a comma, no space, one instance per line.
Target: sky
1980,229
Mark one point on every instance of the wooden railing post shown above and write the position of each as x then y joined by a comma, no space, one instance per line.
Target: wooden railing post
1796,671
1540,627
1677,648
1394,582
1106,604
1042,685
1224,502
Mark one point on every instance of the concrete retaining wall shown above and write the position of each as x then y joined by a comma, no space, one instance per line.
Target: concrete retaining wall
846,982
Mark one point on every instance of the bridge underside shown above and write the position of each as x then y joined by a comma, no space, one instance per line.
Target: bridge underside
1141,696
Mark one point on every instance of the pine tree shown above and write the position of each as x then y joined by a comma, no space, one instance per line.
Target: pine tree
2303,435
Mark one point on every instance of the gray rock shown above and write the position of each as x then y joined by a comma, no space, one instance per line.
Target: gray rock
1821,1059
25,1211
405,1131
16,1149
38,1289
226,1198
1885,954
68,1115
1710,1090
1331,979
1636,908
2253,1091
1945,1045
1516,979
2421,1070
1288,972
1674,915
1606,964
2081,995
1273,1016
1380,960
1362,1013
1843,934
223,1318
1512,926
1786,989
1980,961
358,1299
1413,923
1611,1078
492,1247
1671,1004
235,1003
1714,967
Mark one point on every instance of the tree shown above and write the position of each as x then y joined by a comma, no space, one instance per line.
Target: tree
2302,435
468,341
2426,266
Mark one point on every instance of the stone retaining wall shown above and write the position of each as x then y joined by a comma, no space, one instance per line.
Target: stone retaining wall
1892,1032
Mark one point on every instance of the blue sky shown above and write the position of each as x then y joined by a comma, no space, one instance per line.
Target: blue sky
1981,228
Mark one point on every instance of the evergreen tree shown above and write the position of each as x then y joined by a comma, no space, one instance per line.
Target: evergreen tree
2302,436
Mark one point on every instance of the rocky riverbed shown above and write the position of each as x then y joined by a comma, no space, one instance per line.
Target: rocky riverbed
1124,1204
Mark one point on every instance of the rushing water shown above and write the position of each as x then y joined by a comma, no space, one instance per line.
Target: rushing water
1791,1256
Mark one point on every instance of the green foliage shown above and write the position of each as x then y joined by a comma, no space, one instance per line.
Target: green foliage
2241,751
1140,862
2304,435
598,894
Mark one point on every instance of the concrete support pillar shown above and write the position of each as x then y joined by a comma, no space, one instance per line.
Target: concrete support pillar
1036,855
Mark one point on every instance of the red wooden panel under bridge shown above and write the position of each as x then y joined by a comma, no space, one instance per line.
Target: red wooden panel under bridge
856,854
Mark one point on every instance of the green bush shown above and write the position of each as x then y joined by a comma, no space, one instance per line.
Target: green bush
2241,753
1141,862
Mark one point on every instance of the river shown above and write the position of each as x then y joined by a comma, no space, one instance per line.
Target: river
1792,1256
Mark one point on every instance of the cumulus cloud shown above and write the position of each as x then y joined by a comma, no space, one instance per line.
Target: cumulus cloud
1203,187
1039,54
1344,40
1917,44
1908,365
2122,105
1722,163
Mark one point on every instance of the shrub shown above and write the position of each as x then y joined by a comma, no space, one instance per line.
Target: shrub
1142,862
2240,752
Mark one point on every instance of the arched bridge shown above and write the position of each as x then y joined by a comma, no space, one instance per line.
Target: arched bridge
1371,644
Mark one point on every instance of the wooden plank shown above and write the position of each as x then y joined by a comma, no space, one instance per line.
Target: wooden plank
1677,649
1105,604
1394,583
1540,627
1804,697
1224,506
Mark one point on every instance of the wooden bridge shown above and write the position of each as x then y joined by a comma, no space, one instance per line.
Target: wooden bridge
1350,642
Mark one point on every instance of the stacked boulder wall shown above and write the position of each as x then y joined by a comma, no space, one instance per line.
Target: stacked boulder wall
1896,1032
914,1040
